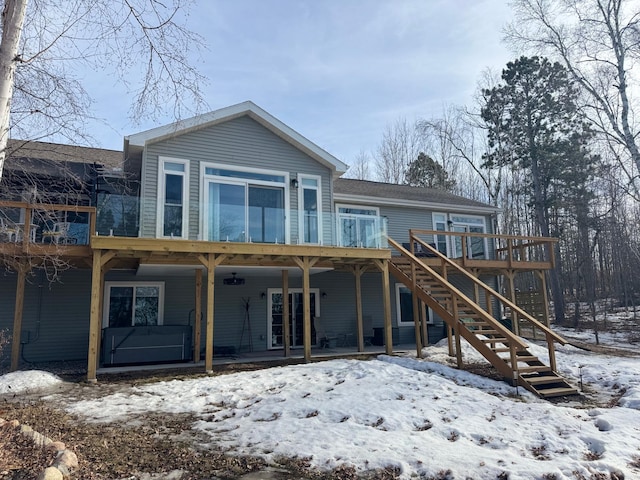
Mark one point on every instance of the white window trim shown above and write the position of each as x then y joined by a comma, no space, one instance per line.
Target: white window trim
446,229
318,190
426,312
478,217
107,296
161,195
338,206
204,192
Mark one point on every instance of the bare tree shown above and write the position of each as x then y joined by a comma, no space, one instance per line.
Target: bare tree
598,42
401,144
143,44
360,168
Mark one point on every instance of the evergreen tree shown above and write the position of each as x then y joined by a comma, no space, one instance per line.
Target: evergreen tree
535,125
424,171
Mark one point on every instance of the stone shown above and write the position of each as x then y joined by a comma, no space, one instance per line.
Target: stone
68,458
2,421
25,429
64,470
56,446
14,423
51,473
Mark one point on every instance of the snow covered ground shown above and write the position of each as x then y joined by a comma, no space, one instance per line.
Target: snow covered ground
420,416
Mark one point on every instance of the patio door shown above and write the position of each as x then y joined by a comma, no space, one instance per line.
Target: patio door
475,246
296,317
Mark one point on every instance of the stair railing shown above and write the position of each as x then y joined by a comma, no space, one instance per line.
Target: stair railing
515,343
550,335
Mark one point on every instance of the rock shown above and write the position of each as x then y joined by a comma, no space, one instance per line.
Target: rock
66,473
56,446
51,473
14,423
2,421
25,429
68,458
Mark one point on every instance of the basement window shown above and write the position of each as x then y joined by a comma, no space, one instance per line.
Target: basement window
131,304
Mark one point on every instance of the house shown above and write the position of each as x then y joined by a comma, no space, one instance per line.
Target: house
203,235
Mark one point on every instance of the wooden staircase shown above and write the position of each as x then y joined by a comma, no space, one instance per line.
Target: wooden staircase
467,319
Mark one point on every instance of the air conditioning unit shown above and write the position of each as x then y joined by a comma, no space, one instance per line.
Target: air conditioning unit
233,280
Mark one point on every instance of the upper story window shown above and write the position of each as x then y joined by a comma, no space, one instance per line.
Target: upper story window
244,205
452,245
309,201
172,197
359,226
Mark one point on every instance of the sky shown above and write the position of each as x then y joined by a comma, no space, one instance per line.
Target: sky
422,417
338,72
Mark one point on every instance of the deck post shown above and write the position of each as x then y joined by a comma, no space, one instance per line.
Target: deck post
197,324
97,277
512,294
416,311
425,331
22,268
286,334
456,330
386,302
545,296
211,271
357,271
306,301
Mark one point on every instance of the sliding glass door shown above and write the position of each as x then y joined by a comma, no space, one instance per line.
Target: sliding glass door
244,206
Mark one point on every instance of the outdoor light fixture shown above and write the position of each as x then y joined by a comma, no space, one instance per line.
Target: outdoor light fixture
294,182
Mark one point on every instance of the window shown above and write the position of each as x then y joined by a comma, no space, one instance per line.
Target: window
133,304
440,224
359,226
244,205
475,246
309,201
451,245
172,189
404,307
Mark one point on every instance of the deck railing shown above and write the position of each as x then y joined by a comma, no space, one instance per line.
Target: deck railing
470,247
27,223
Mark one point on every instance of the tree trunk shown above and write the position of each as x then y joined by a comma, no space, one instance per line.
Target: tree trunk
12,22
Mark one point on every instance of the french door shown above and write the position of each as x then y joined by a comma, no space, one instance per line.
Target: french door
296,317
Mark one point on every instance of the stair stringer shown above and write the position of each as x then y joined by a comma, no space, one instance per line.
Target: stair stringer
493,358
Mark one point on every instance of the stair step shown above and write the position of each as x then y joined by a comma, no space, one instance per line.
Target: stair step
557,392
534,369
501,350
494,340
544,380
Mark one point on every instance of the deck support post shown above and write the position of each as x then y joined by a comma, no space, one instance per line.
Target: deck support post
97,278
512,294
197,324
305,264
456,330
210,260
211,274
416,310
22,270
286,334
383,266
357,271
425,317
545,296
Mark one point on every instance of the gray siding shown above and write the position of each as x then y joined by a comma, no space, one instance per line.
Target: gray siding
239,142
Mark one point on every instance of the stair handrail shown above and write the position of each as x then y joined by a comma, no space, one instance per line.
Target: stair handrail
501,328
490,290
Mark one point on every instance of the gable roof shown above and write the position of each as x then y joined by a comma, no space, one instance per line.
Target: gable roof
378,193
138,141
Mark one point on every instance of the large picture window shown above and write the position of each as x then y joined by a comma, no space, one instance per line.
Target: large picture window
172,198
133,304
244,206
